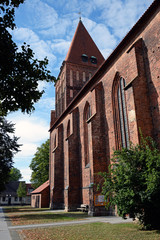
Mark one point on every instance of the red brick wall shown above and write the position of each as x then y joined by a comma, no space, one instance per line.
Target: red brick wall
57,168
45,198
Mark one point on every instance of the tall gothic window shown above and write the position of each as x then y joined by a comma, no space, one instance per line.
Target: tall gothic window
120,115
68,129
87,132
55,142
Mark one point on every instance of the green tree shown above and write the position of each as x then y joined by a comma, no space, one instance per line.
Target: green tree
40,165
15,174
22,191
19,70
133,183
20,73
8,147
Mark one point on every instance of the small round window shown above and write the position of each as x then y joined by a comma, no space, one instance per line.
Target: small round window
84,58
93,60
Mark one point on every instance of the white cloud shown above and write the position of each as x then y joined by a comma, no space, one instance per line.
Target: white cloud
27,150
106,40
26,174
42,85
60,46
47,103
44,19
101,36
41,15
57,29
40,47
31,129
43,49
106,52
85,7
121,15
25,34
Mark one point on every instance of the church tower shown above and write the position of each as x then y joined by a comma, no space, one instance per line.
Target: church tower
81,62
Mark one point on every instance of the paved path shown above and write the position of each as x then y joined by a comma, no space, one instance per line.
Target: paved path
4,232
112,220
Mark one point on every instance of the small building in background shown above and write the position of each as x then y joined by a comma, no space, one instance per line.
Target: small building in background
29,189
9,195
40,196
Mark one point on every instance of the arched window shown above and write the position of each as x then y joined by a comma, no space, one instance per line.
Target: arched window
77,75
68,129
55,142
120,114
87,133
71,78
84,76
89,114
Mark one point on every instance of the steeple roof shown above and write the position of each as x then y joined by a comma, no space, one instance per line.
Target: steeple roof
82,44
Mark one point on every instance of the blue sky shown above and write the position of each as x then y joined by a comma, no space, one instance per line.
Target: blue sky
48,26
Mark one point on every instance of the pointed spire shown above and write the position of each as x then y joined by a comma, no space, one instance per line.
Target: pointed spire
82,44
79,16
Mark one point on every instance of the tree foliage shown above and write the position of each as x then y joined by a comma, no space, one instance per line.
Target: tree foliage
15,174
19,70
20,73
8,147
133,183
40,165
22,190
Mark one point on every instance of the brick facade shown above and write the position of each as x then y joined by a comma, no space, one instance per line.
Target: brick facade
98,115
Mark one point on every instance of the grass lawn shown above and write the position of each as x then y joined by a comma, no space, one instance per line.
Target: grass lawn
22,209
93,231
28,215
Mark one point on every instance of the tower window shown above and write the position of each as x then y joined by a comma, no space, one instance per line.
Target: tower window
93,60
84,76
84,58
71,78
77,75
71,92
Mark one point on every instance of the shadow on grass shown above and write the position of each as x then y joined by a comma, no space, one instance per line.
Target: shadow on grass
44,218
21,209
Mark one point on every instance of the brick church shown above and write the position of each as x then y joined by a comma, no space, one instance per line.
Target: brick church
100,106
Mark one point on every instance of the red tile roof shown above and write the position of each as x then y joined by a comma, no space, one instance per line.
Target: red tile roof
41,188
82,43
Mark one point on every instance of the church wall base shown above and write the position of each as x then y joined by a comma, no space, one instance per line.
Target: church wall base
101,211
71,208
57,206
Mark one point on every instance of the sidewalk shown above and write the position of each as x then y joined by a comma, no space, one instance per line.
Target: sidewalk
4,232
107,219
